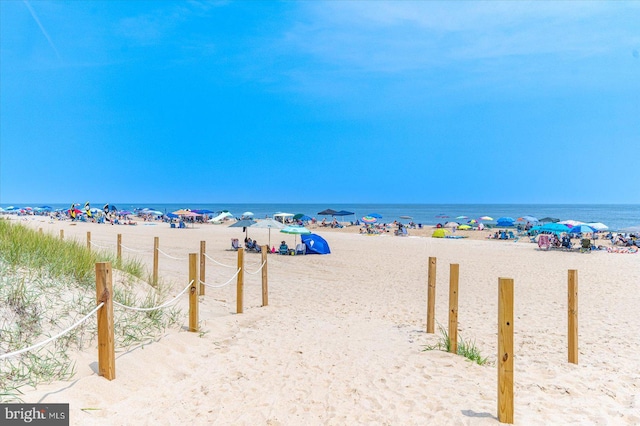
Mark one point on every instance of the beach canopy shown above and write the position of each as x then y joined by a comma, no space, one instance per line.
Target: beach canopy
327,212
343,213
315,244
464,227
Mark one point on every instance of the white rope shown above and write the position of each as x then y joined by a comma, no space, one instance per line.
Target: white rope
133,308
130,249
44,342
171,257
215,261
222,285
98,245
259,269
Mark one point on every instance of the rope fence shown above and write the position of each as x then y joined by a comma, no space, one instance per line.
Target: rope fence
52,338
155,308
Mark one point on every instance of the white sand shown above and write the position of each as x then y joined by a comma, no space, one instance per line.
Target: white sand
342,339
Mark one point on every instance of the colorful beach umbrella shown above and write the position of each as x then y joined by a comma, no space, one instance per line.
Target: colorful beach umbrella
369,219
295,230
485,218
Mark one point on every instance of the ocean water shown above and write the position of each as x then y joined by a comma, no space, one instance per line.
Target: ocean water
616,216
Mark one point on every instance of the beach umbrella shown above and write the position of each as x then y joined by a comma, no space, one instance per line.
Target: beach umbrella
269,224
462,217
375,215
295,230
464,227
571,223
581,229
554,227
369,219
244,224
485,218
549,219
247,214
598,226
472,221
451,225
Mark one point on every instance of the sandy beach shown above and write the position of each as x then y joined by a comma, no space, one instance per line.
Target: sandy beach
342,340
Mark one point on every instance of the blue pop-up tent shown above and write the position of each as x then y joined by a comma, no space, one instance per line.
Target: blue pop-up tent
315,244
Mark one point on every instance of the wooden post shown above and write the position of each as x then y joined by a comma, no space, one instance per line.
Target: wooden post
454,274
40,231
203,265
106,345
505,350
193,292
573,316
89,240
62,234
265,281
431,296
156,247
119,250
240,282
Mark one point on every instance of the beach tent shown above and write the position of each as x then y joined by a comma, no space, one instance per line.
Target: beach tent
439,233
327,212
315,244
221,217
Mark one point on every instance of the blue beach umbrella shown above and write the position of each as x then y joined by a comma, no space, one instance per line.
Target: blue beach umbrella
581,229
375,215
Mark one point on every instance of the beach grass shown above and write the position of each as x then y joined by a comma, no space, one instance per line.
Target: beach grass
46,285
466,348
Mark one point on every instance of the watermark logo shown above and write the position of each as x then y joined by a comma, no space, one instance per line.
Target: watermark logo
34,414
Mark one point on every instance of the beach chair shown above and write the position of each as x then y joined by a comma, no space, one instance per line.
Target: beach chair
585,245
301,249
284,249
543,242
235,244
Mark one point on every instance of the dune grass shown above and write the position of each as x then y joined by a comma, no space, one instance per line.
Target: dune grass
47,284
466,348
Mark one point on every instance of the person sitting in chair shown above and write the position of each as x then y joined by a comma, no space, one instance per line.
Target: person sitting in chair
284,248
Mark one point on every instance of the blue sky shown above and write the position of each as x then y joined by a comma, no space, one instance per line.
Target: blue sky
312,101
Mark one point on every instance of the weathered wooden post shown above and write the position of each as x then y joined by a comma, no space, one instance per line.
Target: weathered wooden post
119,248
265,282
431,296
156,247
89,240
573,316
62,234
505,350
106,345
40,231
240,282
454,274
203,265
193,292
